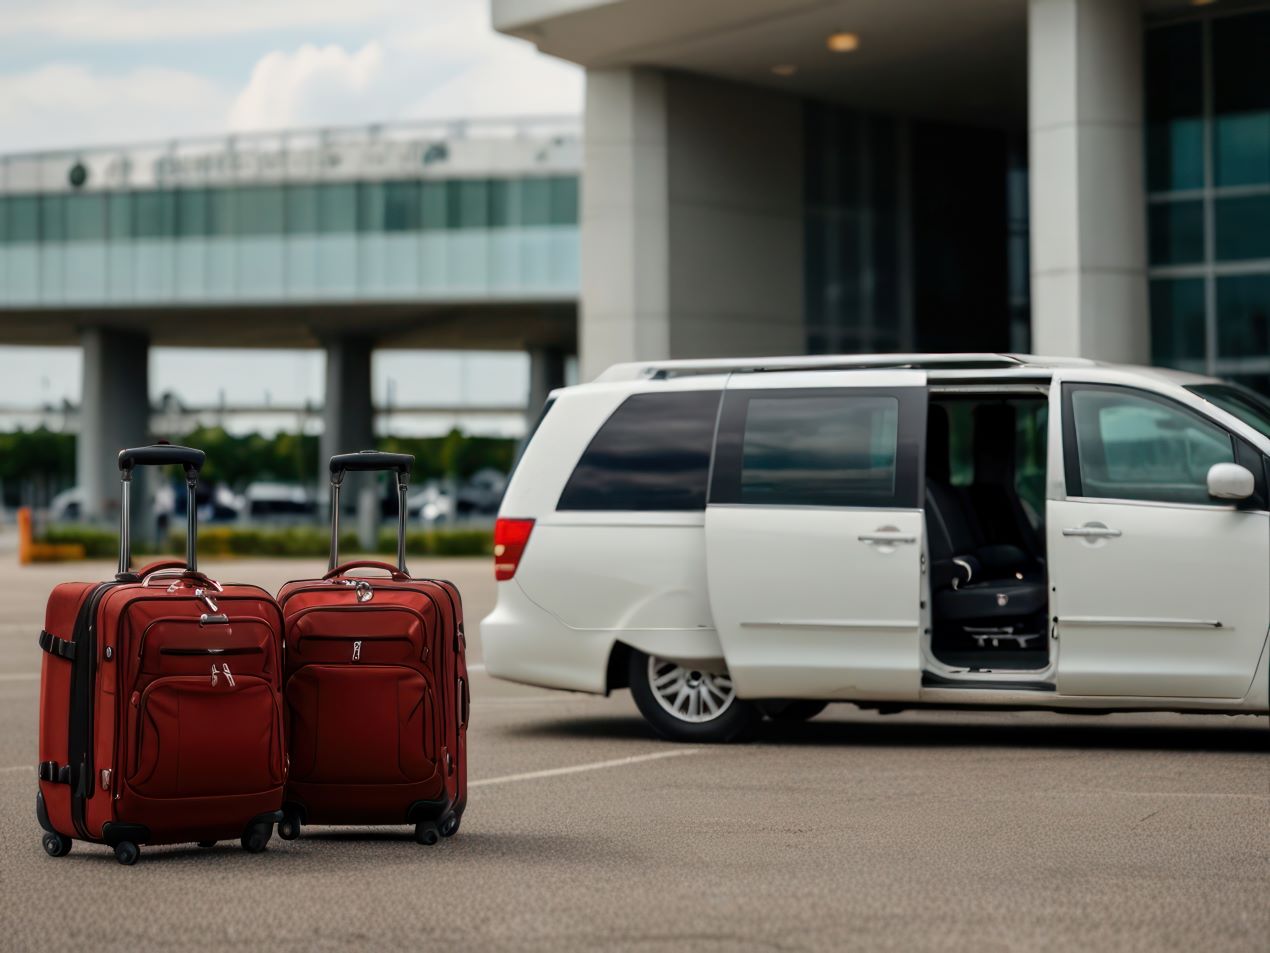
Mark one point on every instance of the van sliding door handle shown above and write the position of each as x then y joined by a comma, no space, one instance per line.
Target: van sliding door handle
1092,531
886,538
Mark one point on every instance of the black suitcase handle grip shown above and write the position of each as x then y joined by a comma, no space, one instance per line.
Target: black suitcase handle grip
362,460
160,455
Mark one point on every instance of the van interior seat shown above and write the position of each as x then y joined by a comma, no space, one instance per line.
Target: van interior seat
974,579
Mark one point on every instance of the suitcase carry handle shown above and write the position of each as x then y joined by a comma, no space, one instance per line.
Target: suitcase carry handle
364,461
158,455
342,570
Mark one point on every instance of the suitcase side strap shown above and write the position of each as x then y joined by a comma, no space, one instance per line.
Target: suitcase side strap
53,772
62,648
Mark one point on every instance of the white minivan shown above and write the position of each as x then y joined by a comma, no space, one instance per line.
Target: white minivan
738,539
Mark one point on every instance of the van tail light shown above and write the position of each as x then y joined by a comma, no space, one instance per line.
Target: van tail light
510,538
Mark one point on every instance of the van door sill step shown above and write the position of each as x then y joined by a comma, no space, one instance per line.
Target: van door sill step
932,680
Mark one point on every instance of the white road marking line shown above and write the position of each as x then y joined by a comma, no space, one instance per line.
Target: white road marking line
534,700
476,667
19,676
579,768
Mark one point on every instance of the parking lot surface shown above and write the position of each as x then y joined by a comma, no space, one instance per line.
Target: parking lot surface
918,831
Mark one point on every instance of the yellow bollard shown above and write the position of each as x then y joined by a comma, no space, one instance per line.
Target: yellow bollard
24,535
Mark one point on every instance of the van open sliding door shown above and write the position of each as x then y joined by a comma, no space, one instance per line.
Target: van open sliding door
814,533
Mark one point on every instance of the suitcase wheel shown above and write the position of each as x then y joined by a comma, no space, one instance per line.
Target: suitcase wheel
126,852
449,825
56,845
289,826
205,844
256,837
426,833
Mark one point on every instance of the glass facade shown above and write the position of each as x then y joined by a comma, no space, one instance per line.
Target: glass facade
280,210
1208,207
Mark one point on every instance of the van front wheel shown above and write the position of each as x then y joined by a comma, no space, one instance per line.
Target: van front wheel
683,703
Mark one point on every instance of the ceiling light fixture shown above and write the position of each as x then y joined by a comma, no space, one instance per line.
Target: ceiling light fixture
1202,3
785,69
841,42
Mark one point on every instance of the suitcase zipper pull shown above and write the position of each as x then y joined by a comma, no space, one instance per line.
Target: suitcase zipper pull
224,667
357,650
215,674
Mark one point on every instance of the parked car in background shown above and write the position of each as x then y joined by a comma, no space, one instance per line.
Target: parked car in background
740,538
278,501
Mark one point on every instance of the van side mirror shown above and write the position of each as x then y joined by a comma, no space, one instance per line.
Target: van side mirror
1230,481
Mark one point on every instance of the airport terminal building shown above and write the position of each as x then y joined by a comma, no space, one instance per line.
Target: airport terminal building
1076,177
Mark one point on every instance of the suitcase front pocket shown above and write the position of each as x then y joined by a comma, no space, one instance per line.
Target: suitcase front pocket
199,737
361,724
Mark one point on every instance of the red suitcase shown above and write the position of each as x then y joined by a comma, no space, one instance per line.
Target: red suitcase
376,688
160,707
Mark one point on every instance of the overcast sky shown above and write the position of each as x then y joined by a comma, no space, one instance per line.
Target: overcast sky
84,72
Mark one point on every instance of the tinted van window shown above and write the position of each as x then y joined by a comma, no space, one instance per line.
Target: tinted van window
652,454
1130,446
783,448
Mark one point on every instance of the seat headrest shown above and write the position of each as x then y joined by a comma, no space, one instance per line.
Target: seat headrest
994,443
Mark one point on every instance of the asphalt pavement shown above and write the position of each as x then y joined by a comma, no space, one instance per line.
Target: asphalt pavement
918,831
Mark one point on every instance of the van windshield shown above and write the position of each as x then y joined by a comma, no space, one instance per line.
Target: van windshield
1247,405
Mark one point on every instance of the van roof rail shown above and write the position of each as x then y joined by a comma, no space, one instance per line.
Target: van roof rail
665,370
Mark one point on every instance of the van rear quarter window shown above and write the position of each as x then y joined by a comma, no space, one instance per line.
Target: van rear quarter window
653,453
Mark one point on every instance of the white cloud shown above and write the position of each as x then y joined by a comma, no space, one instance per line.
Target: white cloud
108,21
67,104
311,86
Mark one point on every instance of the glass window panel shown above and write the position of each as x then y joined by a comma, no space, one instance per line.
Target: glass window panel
24,219
1241,149
1243,227
1175,232
1173,61
258,210
1175,155
535,201
1243,316
469,203
435,203
564,200
53,218
119,215
221,212
1177,323
302,209
653,453
337,207
154,214
1241,68
4,219
191,213
370,207
402,208
86,217
504,202
818,450
1134,447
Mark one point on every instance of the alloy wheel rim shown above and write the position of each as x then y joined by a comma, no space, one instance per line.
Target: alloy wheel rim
690,694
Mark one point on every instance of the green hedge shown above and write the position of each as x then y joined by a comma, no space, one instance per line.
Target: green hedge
221,541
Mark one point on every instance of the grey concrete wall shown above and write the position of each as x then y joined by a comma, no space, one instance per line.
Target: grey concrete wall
691,220
1088,241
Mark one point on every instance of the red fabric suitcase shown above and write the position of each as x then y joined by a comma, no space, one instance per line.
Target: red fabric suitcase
376,688
160,705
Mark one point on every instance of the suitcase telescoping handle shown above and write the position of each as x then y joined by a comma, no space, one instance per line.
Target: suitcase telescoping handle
364,460
159,455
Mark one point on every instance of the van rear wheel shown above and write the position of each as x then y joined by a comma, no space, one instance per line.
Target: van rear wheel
689,704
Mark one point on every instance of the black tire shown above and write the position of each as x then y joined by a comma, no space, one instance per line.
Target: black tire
56,845
256,838
735,723
449,825
794,711
426,833
289,826
126,852
207,844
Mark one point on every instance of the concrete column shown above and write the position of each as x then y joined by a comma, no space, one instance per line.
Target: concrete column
348,423
546,373
114,414
1088,212
691,220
